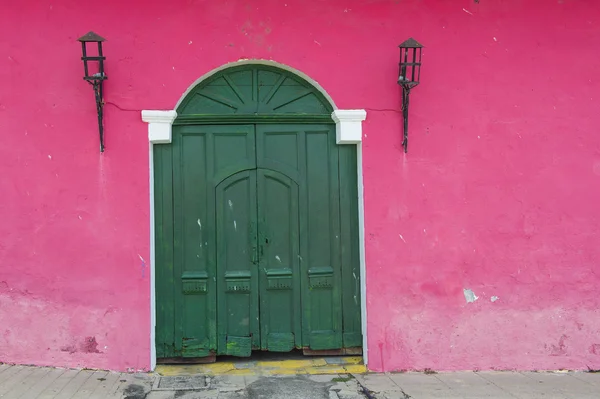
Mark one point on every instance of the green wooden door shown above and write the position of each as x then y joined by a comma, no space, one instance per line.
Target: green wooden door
256,224
195,233
306,158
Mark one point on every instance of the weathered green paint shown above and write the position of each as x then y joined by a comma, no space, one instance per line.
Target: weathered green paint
163,220
256,223
349,246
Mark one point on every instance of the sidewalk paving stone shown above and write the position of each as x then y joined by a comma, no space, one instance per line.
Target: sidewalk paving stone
36,375
70,389
106,387
53,390
562,384
471,385
41,385
377,382
590,378
419,385
90,385
14,380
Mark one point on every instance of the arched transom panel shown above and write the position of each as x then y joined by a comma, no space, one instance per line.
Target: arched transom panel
251,90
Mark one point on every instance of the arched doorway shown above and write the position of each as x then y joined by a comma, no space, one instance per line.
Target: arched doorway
256,221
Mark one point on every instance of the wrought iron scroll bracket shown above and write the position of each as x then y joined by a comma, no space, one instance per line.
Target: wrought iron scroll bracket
98,94
405,104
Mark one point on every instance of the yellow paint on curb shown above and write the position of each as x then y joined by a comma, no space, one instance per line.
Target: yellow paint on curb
343,365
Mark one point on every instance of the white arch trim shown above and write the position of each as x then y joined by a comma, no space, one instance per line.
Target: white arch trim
258,62
348,131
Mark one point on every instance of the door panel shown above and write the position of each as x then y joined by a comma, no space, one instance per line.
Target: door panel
278,243
194,293
163,233
237,277
281,148
199,158
231,159
308,154
321,291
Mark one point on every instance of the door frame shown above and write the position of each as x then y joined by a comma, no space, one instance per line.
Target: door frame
348,132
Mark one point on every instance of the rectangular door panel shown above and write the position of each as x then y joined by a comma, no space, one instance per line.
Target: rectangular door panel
280,148
232,148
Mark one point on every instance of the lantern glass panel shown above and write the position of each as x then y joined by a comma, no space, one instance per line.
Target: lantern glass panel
93,61
409,73
410,63
92,57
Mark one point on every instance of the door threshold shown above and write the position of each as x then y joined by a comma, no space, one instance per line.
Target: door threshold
279,365
333,352
188,360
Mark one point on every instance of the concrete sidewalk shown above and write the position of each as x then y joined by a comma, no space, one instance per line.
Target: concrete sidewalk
50,383
476,385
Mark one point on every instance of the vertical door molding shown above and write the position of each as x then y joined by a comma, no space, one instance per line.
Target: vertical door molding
348,131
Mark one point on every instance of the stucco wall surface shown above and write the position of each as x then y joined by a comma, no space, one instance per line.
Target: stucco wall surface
481,242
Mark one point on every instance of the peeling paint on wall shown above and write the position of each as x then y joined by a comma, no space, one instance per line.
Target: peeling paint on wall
143,266
470,296
85,345
560,348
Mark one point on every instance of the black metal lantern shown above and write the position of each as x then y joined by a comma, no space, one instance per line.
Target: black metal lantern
93,66
409,75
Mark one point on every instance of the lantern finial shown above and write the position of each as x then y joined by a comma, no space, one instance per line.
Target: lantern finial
410,42
91,37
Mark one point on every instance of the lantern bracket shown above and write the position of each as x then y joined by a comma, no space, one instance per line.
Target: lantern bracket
97,85
405,102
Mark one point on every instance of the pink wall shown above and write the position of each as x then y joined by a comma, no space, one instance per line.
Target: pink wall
498,193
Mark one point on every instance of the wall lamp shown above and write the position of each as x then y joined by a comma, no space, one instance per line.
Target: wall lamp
408,77
93,66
